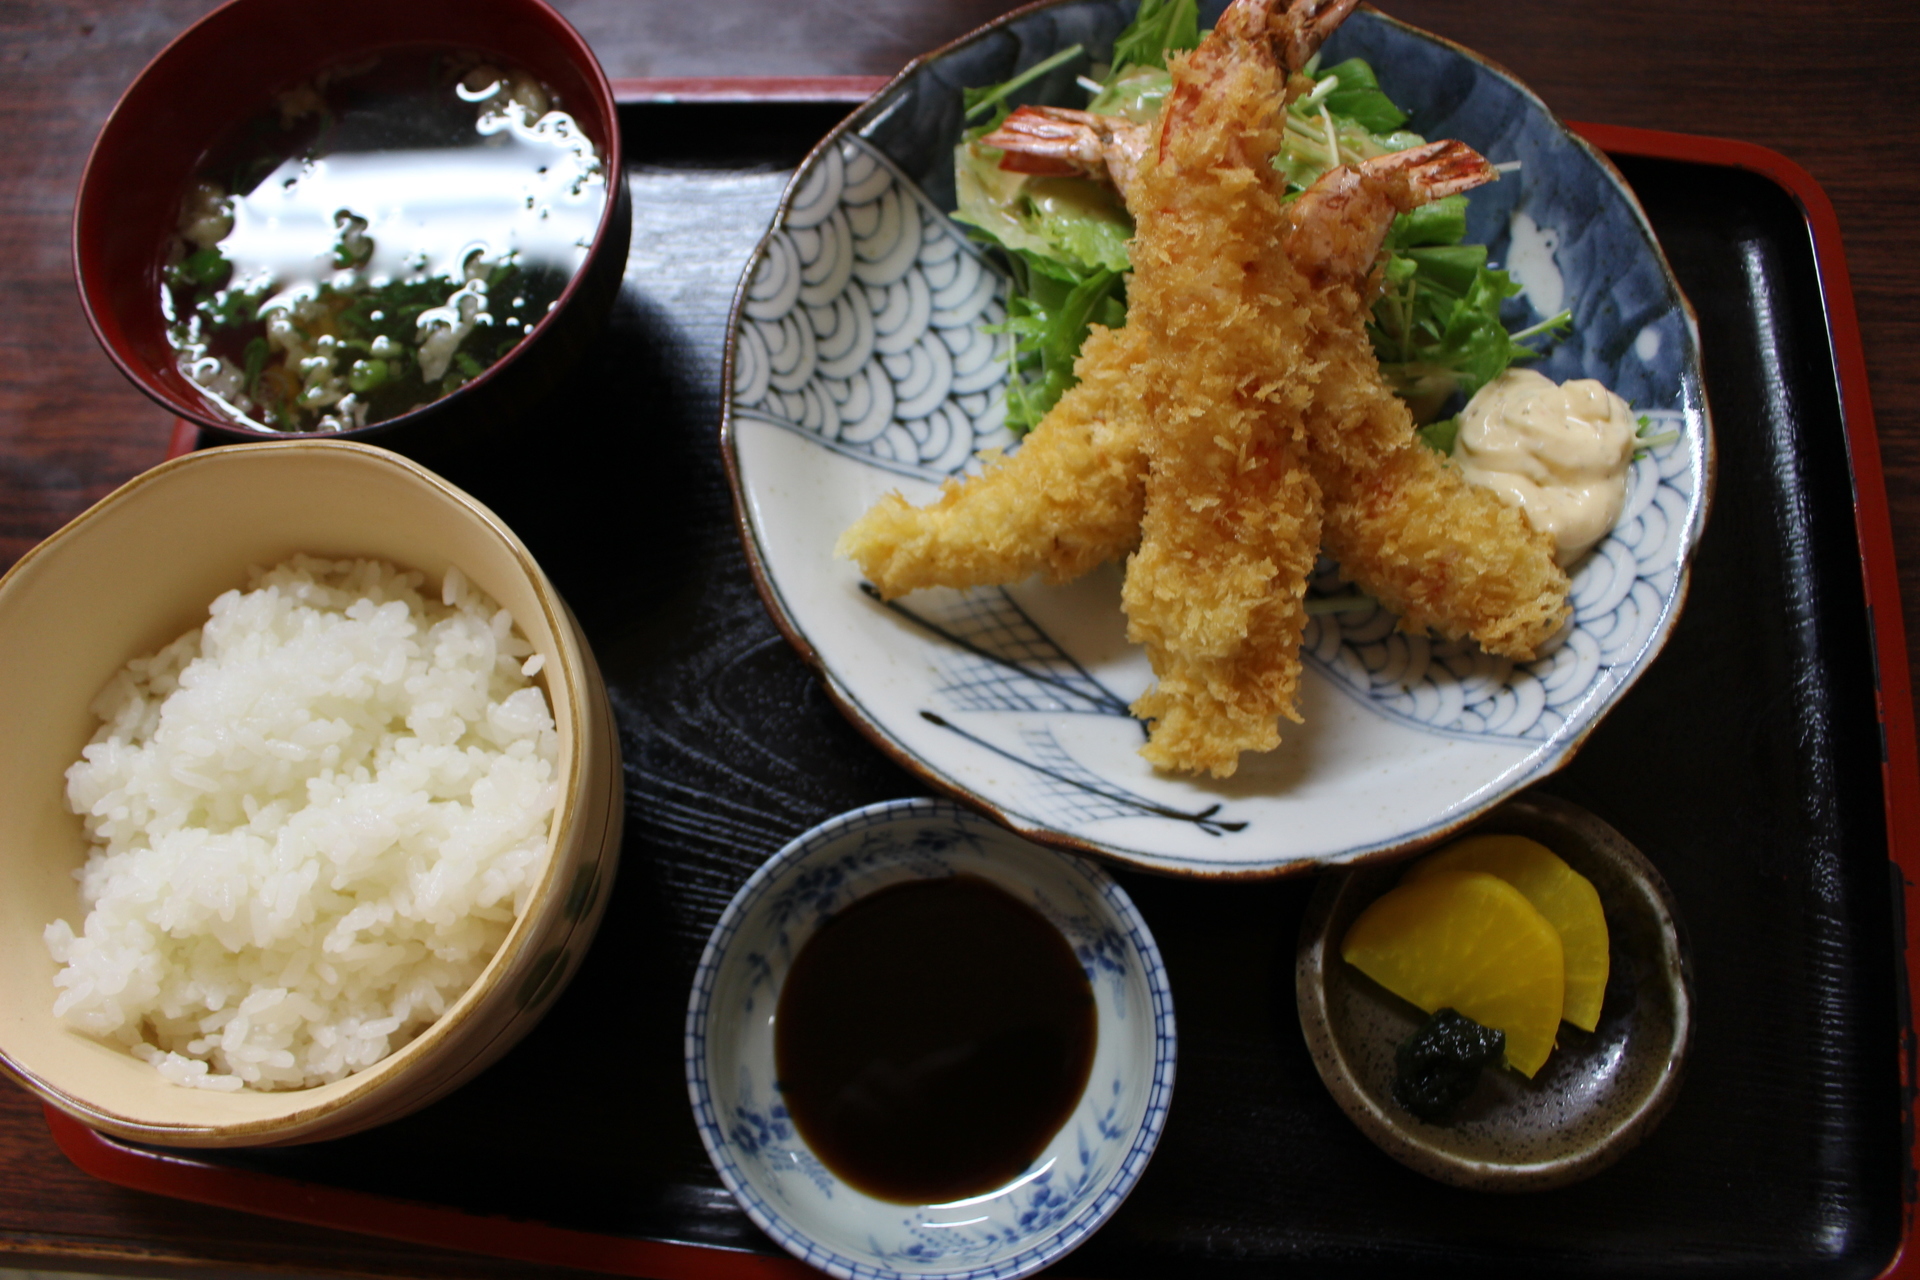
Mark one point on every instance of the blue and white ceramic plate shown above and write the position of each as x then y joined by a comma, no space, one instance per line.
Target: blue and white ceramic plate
862,359
1084,1173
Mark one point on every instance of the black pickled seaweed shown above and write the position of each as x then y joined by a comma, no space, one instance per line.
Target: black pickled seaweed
1438,1065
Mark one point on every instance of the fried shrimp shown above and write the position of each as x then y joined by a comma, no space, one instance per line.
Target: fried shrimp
1060,142
1443,553
1446,555
1072,495
1232,520
1239,423
1069,499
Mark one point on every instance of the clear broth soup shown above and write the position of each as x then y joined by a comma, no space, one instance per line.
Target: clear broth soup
376,238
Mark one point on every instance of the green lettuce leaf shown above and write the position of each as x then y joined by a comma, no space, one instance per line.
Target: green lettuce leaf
1436,328
1070,227
1306,151
1137,93
1048,319
1158,28
1359,98
1439,436
974,102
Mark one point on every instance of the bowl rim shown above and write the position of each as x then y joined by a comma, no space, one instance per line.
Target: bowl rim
613,214
1062,1237
351,1090
1316,956
871,725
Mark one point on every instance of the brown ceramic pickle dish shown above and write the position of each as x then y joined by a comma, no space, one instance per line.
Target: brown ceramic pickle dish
1600,1092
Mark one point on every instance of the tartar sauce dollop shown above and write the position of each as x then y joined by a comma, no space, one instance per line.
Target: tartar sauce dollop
1558,452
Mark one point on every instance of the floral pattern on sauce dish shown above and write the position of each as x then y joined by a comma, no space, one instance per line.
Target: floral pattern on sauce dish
1088,1167
863,359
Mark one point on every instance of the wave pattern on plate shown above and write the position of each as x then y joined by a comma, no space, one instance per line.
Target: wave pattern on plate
864,324
1620,593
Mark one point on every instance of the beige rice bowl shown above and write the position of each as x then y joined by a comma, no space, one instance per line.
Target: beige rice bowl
314,819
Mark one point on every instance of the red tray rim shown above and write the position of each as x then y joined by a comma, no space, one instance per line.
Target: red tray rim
1873,525
180,1176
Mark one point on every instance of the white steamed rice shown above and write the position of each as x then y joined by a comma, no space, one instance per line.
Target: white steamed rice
315,819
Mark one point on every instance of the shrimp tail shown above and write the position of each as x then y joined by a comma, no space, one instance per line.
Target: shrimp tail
1272,35
1060,142
1278,33
1339,224
1306,25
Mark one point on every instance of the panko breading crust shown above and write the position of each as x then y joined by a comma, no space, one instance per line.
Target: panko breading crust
1237,425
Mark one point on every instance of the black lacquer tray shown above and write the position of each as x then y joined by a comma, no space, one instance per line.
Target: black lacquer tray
1747,765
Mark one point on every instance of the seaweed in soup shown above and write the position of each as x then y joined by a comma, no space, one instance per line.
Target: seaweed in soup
377,237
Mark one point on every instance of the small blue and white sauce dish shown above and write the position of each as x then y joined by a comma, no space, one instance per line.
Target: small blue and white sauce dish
920,1046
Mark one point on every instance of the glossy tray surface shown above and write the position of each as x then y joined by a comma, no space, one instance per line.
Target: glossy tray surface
1746,765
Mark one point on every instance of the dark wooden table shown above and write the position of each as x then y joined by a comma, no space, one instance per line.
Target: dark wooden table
1834,87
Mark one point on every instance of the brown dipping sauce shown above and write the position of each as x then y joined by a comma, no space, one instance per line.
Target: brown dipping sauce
931,1039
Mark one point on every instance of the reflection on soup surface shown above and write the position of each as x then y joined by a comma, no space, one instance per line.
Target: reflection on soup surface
376,238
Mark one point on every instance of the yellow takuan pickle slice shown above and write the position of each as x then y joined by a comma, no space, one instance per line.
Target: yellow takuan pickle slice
1565,897
1467,941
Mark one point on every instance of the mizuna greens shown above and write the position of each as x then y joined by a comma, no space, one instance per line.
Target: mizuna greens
1436,327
